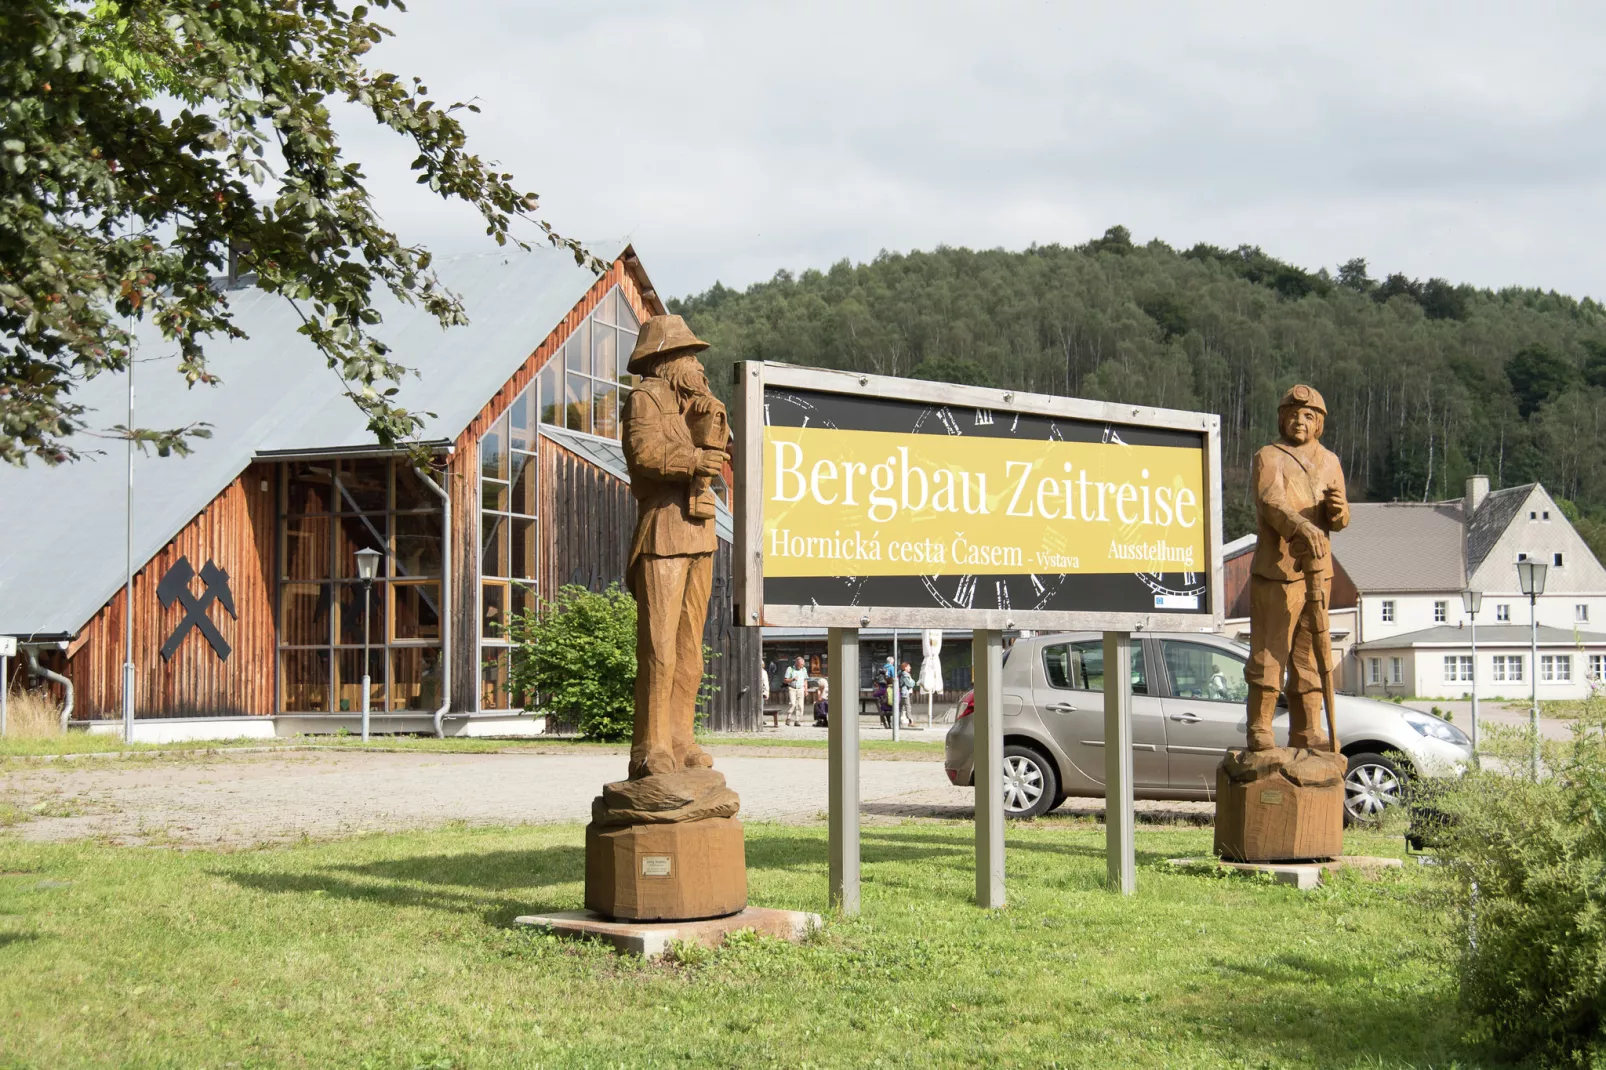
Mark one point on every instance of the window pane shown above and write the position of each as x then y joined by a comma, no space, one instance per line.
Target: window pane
602,352
304,614
551,410
306,548
355,533
493,450
627,316
493,609
305,686
308,488
604,417
523,545
1087,665
364,487
417,611
411,494
493,678
353,610
577,351
1203,672
627,345
493,495
493,545
579,403
523,598
518,422
348,685
523,485
605,310
418,545
415,678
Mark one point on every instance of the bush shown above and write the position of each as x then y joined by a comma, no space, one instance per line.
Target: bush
1529,866
578,653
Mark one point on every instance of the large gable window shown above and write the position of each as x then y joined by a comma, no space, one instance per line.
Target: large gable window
581,388
330,510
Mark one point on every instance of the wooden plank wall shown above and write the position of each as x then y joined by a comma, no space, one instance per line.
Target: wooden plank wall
236,531
587,520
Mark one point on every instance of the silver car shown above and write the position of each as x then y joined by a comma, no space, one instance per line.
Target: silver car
1188,694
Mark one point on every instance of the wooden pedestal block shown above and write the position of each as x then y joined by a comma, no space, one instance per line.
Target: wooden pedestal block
1273,817
672,871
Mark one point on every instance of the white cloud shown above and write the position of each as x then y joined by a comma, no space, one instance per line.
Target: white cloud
732,139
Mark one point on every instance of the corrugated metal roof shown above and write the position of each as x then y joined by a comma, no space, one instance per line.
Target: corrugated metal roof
1488,635
608,455
61,538
1402,546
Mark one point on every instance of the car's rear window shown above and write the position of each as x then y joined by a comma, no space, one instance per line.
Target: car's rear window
1080,666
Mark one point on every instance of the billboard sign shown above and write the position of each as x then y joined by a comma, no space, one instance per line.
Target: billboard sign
869,501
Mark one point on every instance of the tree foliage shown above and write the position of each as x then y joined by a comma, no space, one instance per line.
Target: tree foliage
143,139
1415,374
578,653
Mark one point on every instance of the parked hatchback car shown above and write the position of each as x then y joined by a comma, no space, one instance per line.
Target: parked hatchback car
1188,693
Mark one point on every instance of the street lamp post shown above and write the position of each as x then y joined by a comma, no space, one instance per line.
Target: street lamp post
1472,601
1531,578
367,569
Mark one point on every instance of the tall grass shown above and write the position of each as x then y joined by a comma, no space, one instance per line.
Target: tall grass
32,715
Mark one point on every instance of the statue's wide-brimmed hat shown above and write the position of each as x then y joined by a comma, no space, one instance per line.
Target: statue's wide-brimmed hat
1303,397
660,337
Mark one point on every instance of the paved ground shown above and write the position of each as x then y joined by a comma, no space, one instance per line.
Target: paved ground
256,799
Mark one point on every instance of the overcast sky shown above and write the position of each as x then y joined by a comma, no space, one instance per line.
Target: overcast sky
728,140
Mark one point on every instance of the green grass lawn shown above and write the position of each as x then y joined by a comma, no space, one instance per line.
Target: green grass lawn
398,951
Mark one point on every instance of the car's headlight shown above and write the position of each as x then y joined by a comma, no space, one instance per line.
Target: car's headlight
1429,725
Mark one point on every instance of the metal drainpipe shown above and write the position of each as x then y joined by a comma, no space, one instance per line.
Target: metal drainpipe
446,601
54,677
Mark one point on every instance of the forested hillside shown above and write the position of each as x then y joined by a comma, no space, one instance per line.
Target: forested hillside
1426,382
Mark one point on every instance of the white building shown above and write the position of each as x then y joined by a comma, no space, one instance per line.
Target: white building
1410,562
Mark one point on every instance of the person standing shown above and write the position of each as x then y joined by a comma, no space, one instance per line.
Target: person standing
906,694
797,682
822,704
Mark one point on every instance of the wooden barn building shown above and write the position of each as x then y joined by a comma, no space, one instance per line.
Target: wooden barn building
248,614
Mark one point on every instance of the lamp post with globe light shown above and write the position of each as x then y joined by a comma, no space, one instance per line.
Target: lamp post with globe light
1472,601
367,569
1531,578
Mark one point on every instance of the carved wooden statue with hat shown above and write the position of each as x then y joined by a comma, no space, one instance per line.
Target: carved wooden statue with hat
1280,803
665,843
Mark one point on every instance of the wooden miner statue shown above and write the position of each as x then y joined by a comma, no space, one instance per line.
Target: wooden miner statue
1299,499
672,556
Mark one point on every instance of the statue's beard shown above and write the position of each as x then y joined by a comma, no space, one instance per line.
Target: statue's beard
685,374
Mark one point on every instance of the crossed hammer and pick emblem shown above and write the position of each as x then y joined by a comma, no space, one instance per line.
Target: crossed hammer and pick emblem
175,587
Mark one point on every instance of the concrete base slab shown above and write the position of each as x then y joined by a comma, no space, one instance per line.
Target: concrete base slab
652,939
1302,875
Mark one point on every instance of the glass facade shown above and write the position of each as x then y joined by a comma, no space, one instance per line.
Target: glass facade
329,510
582,387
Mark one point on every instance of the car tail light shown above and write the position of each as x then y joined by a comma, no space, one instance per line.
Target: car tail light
953,776
967,705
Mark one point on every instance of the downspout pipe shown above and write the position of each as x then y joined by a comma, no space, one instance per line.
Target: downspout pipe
37,670
446,600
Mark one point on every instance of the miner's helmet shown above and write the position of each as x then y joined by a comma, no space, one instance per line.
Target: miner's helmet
662,336
1303,397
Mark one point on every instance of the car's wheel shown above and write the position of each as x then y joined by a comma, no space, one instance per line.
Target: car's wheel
1372,785
1030,783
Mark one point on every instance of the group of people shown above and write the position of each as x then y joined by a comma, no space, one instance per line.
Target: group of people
798,686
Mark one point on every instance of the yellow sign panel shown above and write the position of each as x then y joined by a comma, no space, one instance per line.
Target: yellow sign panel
874,503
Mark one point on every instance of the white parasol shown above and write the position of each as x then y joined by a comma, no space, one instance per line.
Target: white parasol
930,667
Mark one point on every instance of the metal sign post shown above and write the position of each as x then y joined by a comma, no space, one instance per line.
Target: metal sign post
8,650
988,656
843,772
1119,849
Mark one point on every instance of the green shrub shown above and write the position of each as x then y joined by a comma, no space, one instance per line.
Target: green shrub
578,654
1528,862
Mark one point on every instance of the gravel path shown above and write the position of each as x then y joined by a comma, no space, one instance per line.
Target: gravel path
247,800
